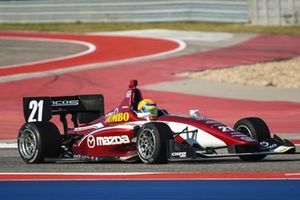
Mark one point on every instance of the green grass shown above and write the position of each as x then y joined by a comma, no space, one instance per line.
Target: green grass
193,26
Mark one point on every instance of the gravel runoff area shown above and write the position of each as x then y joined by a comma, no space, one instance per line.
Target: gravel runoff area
282,74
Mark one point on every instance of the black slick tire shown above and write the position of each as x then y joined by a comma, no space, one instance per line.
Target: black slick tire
152,142
255,128
37,141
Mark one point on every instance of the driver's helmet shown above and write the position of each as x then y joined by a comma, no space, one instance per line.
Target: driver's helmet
148,106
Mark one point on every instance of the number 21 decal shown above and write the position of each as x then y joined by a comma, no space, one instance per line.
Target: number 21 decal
36,107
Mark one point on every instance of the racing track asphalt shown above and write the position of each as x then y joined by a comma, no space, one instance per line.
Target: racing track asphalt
21,51
10,161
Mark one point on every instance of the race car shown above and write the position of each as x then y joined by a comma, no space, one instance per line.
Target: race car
128,135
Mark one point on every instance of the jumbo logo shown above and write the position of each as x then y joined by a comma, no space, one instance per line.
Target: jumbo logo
118,117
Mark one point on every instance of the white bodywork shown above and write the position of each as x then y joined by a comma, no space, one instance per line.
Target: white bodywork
199,136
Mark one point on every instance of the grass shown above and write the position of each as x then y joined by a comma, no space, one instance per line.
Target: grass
192,26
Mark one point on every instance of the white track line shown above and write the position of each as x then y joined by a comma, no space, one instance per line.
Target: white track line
292,174
8,145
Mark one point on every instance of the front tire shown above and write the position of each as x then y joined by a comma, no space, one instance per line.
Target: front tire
152,142
255,128
37,141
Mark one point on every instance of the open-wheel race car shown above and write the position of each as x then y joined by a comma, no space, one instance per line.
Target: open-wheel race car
126,134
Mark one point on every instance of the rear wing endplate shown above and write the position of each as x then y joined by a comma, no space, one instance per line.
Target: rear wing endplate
84,108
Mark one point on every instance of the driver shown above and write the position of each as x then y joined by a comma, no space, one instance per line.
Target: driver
148,106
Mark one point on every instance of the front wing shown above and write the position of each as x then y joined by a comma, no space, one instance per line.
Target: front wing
186,152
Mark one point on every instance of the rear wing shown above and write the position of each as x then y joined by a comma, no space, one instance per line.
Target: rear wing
83,108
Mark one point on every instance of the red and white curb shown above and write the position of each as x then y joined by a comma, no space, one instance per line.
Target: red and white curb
93,50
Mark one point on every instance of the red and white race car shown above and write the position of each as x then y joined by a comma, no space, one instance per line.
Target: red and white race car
124,134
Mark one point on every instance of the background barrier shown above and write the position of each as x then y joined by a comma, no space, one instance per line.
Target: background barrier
123,11
264,12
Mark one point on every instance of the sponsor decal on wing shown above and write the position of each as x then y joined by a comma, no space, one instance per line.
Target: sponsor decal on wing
118,117
93,141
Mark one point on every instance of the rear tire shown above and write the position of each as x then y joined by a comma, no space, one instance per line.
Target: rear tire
255,128
152,142
37,141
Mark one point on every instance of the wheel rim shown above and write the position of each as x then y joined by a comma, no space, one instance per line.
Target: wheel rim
245,130
146,143
27,144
